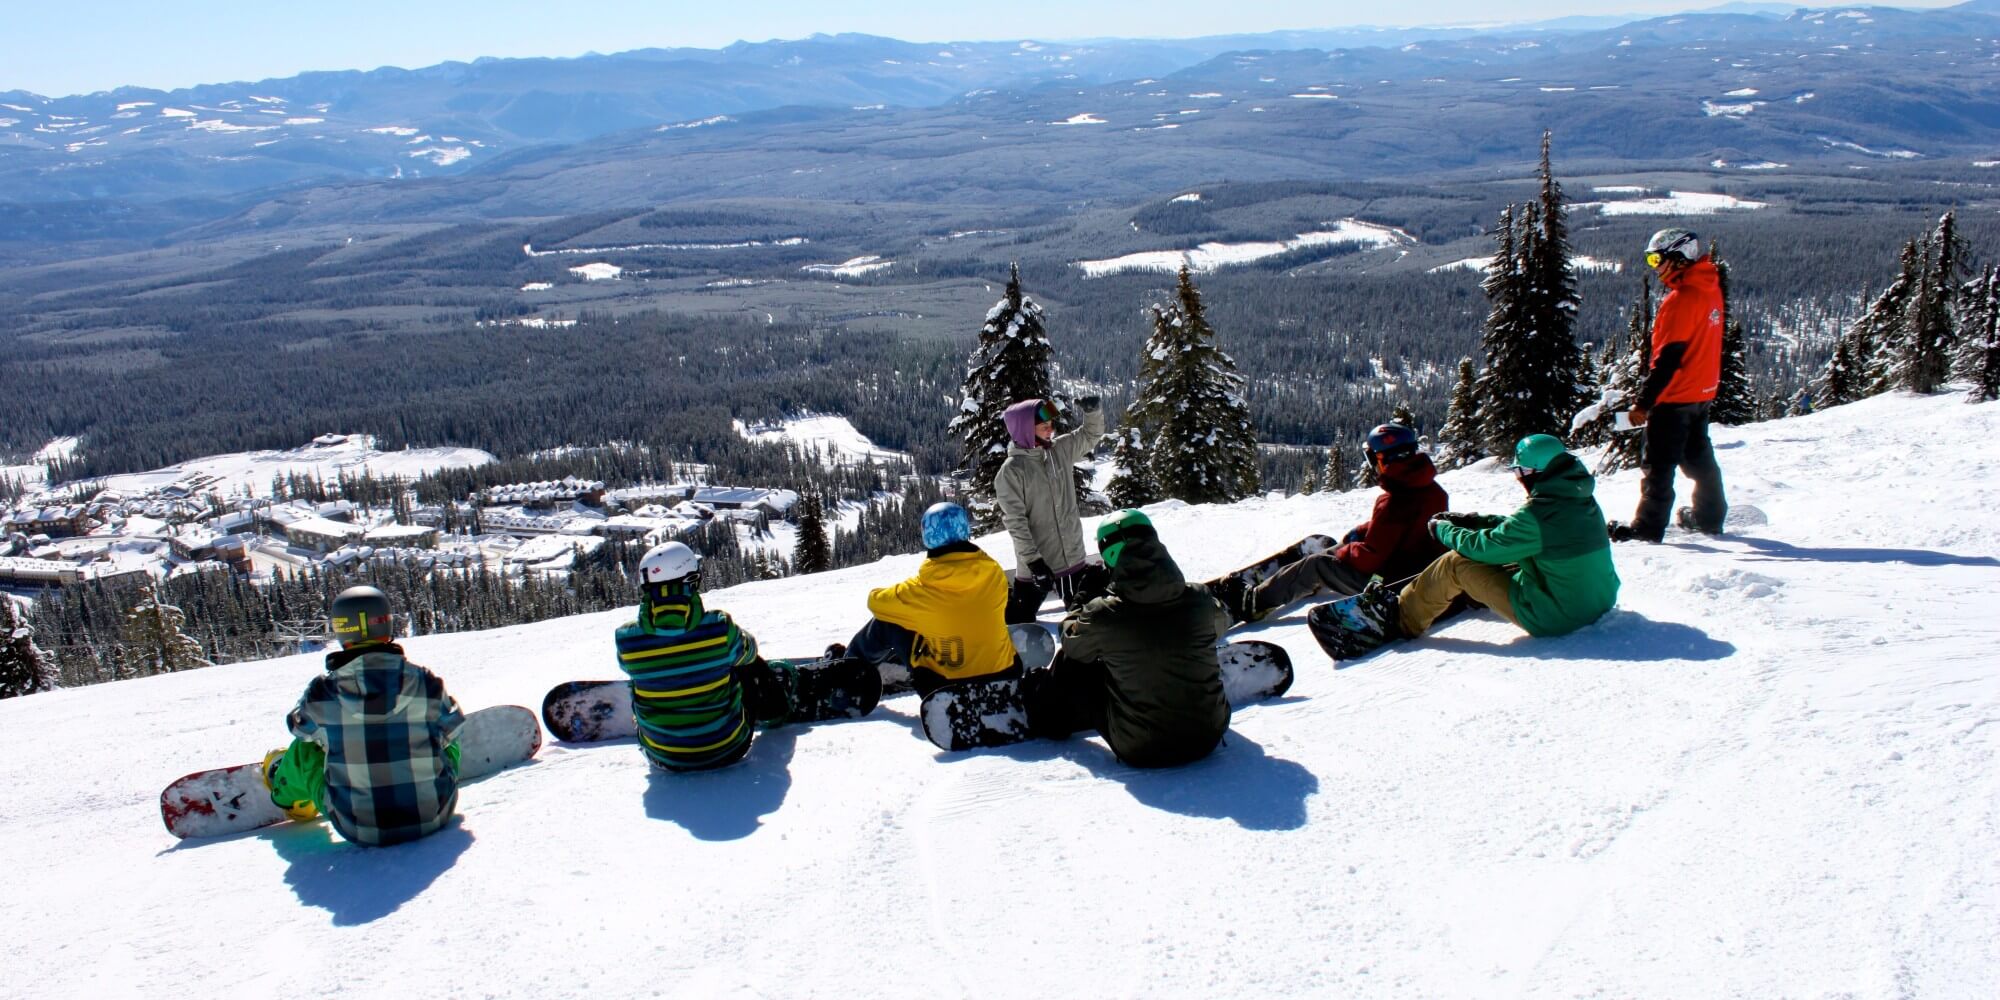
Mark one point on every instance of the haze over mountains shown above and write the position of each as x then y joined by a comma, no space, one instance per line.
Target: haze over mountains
856,116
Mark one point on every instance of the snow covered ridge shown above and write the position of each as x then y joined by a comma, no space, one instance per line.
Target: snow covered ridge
833,436
1675,203
1773,770
853,267
1483,264
327,458
1210,256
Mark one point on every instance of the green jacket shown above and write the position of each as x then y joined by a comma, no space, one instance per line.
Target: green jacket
1155,634
1566,579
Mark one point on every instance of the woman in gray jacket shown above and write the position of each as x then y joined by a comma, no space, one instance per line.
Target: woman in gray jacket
1036,492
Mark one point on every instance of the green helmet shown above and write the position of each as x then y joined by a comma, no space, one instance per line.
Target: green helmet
1535,452
1119,527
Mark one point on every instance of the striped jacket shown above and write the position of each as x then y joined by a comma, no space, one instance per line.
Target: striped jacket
685,693
384,723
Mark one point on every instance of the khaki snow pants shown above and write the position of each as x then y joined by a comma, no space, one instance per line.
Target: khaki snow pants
1448,576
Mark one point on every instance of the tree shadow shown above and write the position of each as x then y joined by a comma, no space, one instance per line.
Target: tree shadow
728,803
1619,635
1771,550
357,884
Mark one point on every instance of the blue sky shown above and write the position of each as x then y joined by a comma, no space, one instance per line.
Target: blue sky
55,49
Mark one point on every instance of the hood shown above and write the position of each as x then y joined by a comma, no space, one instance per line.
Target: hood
374,687
1566,477
1696,276
1412,473
957,572
1146,574
670,612
1020,421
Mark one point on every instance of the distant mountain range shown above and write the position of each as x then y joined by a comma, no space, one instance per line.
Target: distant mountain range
856,116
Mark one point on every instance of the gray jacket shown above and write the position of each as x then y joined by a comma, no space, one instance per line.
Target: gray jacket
1037,496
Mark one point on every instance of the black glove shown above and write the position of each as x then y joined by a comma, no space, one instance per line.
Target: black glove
1458,520
1044,576
1088,404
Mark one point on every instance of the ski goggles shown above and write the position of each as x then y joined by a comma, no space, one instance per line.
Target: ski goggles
1114,543
1653,259
1045,414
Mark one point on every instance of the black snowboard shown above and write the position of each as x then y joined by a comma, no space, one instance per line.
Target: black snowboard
816,689
1253,670
987,712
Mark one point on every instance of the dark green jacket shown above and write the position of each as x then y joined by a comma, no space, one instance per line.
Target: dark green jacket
1566,579
1155,634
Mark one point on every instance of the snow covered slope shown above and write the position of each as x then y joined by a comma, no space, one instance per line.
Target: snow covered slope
1770,772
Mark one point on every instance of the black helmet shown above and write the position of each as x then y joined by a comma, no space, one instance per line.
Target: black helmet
1392,441
361,614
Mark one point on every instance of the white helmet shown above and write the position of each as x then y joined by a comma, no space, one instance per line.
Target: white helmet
667,562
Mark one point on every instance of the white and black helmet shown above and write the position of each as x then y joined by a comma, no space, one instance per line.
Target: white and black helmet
1677,245
668,562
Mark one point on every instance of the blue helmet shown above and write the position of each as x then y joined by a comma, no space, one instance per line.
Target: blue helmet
1392,441
944,523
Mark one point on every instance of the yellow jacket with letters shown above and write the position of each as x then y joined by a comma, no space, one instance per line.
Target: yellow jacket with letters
956,605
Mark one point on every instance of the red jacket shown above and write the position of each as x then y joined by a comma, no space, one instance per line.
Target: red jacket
1396,542
1690,316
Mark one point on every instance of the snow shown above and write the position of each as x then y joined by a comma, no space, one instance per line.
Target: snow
1581,262
537,286
1190,196
599,271
1086,118
253,470
1675,203
1210,256
853,267
1890,154
443,156
1774,770
837,440
1715,110
399,131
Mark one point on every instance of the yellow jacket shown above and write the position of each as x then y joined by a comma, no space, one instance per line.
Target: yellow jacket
956,605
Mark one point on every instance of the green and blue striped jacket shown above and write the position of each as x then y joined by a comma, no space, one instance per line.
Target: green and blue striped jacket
686,697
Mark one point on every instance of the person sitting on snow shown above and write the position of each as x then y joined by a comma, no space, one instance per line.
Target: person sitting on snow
1035,490
698,686
947,623
1138,665
374,743
1546,567
1395,542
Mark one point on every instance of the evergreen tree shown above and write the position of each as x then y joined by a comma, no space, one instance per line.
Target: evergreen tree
1978,360
1334,477
1877,338
24,668
1190,407
1534,379
812,554
1845,377
1735,402
155,640
1625,372
1458,439
1133,485
1010,363
1311,484
1403,415
1930,325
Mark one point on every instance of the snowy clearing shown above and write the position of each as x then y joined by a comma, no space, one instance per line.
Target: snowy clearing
1773,770
253,470
1675,203
1210,256
599,271
853,267
835,438
1483,264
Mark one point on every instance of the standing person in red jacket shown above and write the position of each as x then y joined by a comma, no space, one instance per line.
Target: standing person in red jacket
1673,405
1395,542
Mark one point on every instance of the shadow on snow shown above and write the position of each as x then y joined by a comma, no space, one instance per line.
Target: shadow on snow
1619,635
1771,550
358,884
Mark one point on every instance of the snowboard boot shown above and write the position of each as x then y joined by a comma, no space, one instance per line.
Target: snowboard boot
301,811
1685,518
1621,531
1359,625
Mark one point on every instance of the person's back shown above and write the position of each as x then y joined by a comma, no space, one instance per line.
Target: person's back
1155,637
387,723
683,659
374,737
954,607
1571,581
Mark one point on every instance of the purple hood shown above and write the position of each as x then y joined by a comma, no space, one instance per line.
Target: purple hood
1020,421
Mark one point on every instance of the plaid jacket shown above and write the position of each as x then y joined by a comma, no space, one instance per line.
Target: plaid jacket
686,697
384,723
